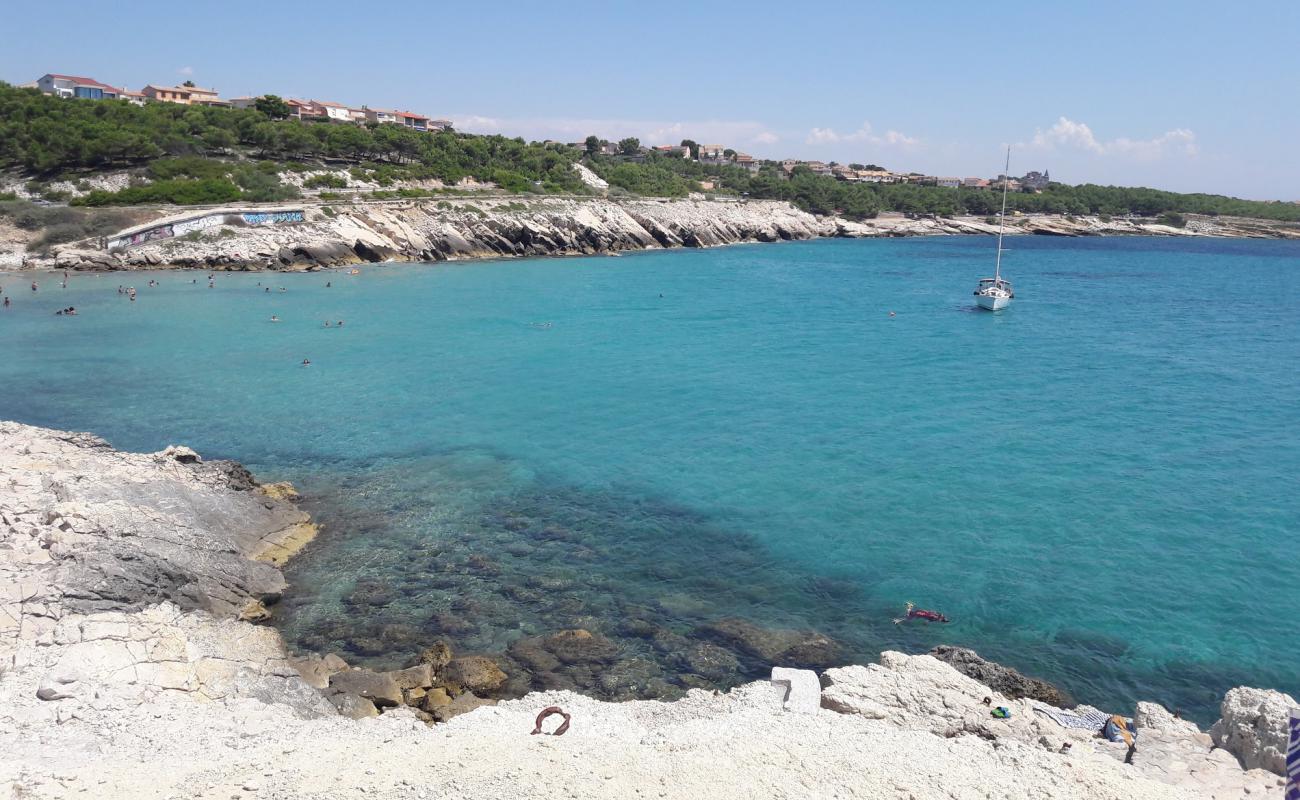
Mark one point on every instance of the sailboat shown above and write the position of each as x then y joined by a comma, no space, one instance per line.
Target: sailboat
995,294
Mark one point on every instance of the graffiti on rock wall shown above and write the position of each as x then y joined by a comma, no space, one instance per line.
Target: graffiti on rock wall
201,223
140,237
275,218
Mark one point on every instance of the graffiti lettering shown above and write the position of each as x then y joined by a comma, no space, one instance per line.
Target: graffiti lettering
202,223
276,218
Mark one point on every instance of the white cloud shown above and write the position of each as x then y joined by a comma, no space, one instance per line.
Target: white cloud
651,132
186,71
1067,133
890,138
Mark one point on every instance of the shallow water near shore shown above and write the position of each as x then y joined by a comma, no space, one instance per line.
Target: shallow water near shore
1097,485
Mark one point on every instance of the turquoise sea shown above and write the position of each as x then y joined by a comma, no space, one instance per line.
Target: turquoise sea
1099,486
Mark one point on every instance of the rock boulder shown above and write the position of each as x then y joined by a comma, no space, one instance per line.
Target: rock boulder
1253,727
999,678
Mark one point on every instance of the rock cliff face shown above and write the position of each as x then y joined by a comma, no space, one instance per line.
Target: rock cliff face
483,228
428,230
1254,727
126,671
90,529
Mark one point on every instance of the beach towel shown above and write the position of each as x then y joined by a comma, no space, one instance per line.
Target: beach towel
1083,718
1119,729
1293,758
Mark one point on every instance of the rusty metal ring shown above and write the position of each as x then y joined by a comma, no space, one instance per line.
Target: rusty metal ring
546,712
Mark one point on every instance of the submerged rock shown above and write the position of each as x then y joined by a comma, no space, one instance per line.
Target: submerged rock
774,647
999,678
436,655
709,661
478,674
580,647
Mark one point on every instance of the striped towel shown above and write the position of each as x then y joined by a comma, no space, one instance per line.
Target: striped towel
1293,758
1083,718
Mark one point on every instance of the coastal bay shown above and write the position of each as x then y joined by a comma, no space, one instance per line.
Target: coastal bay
594,444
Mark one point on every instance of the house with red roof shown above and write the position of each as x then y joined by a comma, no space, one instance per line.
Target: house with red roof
406,119
77,86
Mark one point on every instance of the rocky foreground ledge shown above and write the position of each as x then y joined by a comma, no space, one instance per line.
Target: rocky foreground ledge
458,229
131,666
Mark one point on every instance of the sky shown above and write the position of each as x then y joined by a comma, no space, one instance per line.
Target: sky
1188,96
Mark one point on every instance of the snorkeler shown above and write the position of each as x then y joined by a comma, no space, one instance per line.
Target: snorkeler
920,613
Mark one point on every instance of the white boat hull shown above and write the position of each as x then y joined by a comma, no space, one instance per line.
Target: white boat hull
992,302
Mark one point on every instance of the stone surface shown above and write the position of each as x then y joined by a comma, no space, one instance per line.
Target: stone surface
1253,727
92,529
417,677
379,688
800,689
1156,718
462,704
478,674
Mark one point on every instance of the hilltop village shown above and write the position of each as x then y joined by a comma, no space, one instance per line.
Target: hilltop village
628,149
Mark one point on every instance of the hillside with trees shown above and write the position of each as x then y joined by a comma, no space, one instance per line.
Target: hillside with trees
199,154
674,177
50,137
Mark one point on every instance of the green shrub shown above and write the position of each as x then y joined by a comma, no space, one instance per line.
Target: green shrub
178,191
1172,219
326,181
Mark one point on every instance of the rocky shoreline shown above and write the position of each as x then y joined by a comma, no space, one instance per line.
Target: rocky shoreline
494,227
131,586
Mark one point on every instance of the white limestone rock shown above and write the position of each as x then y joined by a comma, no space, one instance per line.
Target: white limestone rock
1153,717
1253,727
801,691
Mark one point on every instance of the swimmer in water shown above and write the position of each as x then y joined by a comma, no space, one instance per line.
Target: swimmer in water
340,323
327,323
892,314
274,318
920,613
328,284
6,301
306,362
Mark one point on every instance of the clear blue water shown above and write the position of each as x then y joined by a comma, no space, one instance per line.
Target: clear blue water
1099,485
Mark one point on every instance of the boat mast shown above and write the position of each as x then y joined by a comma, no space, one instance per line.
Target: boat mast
1002,220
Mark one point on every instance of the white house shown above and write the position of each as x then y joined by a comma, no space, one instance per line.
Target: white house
335,112
75,86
